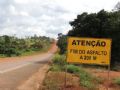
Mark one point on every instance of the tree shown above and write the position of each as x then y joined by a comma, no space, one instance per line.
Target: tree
62,43
99,25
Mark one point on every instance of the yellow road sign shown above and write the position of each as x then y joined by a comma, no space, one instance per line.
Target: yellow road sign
89,50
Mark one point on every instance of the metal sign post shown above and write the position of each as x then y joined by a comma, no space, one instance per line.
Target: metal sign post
65,76
109,73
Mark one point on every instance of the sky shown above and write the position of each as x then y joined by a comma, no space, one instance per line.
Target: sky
45,17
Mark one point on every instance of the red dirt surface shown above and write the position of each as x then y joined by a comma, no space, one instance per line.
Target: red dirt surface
104,73
108,82
57,80
35,81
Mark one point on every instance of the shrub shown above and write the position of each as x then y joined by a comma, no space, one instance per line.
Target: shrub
73,69
59,59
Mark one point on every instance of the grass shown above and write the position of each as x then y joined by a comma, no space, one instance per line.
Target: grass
2,56
73,69
117,80
59,60
58,63
56,68
86,79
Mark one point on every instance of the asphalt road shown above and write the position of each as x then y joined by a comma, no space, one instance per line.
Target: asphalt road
13,73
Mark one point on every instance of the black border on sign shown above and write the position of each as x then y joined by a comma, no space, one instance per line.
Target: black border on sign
89,63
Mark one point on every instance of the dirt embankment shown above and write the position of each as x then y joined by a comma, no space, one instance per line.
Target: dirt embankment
34,82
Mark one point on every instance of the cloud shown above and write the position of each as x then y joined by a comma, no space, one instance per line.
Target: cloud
44,17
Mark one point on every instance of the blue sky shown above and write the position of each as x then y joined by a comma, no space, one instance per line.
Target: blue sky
45,17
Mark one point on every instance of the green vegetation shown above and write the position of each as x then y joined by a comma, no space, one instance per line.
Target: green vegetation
99,25
59,59
86,79
73,69
96,25
13,46
117,81
58,63
62,43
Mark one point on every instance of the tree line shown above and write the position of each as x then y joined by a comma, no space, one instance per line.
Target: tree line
14,46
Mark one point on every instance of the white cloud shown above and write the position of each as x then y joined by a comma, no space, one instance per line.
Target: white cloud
22,13
44,17
23,1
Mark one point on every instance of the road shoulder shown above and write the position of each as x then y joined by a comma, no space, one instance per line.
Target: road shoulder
34,82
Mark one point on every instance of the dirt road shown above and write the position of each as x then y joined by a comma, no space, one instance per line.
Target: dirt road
14,71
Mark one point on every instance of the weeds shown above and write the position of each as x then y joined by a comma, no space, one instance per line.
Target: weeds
117,81
56,68
85,79
59,60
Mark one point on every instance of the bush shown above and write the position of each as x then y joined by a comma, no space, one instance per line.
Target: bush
117,81
59,59
72,69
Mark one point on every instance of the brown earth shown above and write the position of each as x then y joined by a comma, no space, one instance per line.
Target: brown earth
103,73
34,82
107,81
56,81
